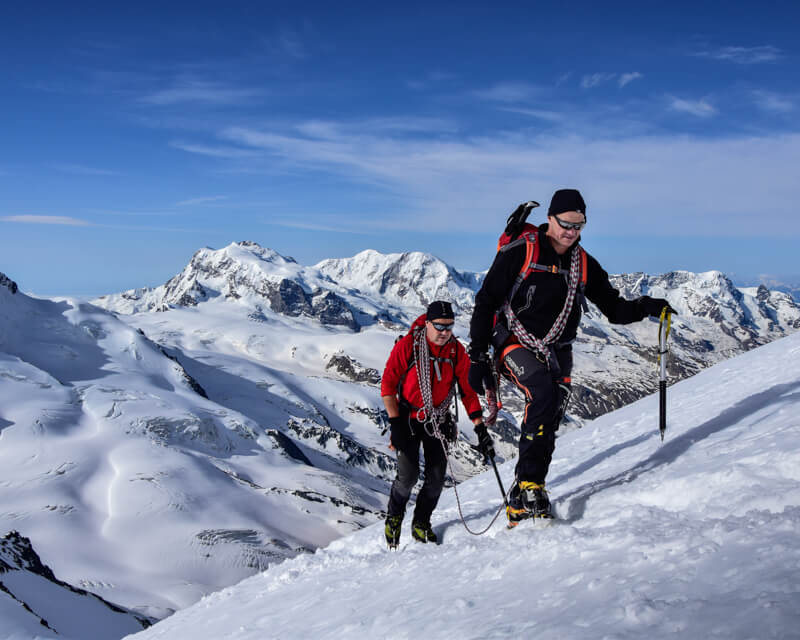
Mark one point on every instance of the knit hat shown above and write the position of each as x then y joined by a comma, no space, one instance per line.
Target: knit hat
566,200
440,310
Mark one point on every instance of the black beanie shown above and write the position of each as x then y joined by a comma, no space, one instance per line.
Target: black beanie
440,310
566,200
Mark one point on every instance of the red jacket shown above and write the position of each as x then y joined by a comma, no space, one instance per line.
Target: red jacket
402,356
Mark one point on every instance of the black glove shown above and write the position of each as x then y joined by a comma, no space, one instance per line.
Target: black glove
485,443
480,373
399,433
654,306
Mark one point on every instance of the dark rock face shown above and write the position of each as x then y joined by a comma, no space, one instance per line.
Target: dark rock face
352,370
330,309
17,554
289,299
8,283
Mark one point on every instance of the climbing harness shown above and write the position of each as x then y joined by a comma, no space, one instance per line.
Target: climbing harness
542,345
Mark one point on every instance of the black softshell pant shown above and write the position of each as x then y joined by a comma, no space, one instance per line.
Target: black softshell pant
543,407
408,472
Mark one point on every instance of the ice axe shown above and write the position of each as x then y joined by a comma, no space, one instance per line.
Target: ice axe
664,323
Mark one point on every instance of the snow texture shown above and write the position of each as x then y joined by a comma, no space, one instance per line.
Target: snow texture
692,538
181,439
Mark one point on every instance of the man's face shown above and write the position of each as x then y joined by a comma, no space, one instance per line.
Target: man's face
439,331
560,237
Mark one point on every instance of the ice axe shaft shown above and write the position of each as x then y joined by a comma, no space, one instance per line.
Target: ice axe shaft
499,481
663,333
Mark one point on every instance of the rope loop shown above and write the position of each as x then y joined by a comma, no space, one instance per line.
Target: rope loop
541,345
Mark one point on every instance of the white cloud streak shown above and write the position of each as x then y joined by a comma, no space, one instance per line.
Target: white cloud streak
701,108
56,220
596,79
214,151
743,55
508,92
627,78
201,91
772,102
202,200
83,170
649,184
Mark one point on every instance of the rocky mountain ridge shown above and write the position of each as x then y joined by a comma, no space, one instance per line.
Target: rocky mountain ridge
716,319
49,607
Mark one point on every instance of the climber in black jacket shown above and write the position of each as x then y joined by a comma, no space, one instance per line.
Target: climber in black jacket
528,309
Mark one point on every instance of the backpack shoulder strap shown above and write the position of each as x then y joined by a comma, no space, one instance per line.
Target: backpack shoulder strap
530,238
584,266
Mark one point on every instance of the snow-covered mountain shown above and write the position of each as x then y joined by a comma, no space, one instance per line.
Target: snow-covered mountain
405,280
34,603
614,364
169,475
695,537
184,437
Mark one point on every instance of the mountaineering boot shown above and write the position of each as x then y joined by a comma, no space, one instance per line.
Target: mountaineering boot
393,526
422,532
534,497
516,511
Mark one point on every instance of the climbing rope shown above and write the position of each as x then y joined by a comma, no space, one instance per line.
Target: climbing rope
434,417
541,346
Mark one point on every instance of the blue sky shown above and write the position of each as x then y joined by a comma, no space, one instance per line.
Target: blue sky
133,135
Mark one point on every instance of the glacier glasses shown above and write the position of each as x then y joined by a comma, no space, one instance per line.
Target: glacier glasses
575,226
442,327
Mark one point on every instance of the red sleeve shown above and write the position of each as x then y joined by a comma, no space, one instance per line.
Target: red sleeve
470,400
396,366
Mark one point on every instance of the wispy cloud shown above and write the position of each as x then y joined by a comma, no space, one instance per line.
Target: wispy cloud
79,169
701,108
201,91
432,80
489,173
772,102
202,200
627,78
329,228
596,79
508,92
540,114
214,151
57,220
742,55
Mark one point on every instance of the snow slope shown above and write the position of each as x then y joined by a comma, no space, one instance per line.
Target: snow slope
695,537
134,485
34,603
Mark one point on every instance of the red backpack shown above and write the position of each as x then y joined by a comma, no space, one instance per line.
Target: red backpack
517,231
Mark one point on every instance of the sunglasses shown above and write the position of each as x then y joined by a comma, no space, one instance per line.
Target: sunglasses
577,226
443,327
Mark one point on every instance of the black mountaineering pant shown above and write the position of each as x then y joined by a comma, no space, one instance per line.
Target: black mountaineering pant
542,400
408,472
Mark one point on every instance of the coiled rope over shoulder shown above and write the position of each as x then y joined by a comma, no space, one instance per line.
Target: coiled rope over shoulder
527,339
434,416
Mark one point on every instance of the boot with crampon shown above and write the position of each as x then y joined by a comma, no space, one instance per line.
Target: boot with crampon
534,498
393,526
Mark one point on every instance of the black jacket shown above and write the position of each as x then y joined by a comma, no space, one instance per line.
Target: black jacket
540,298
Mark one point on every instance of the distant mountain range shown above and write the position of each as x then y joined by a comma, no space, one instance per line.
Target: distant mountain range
790,285
185,436
716,319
